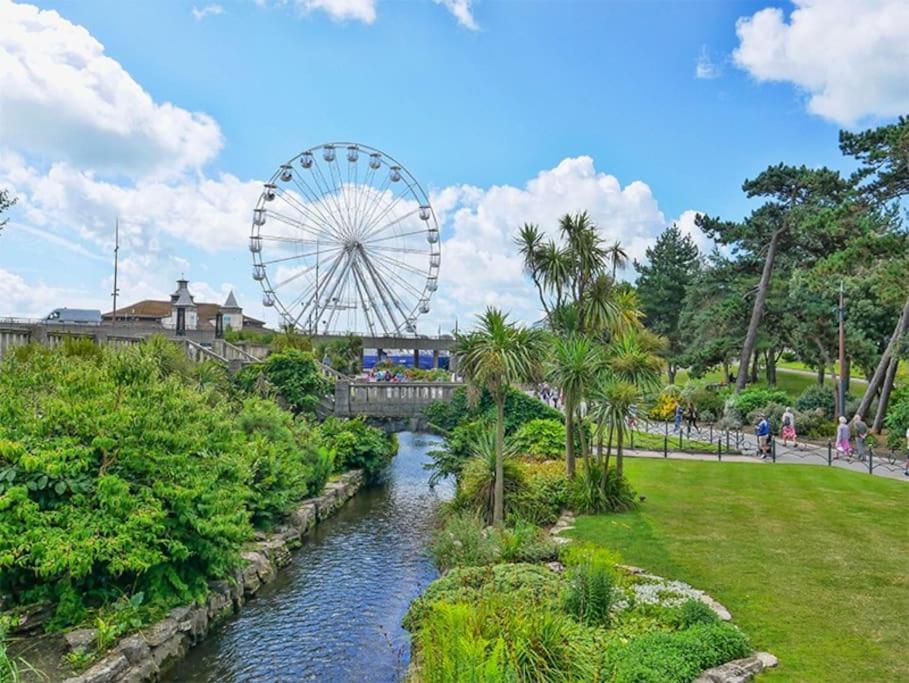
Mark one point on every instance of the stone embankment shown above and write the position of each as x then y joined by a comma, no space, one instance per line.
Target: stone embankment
144,655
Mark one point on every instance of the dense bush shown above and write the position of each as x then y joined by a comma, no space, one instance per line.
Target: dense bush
131,472
466,541
693,612
540,438
586,493
678,657
519,409
544,494
817,397
293,374
897,420
356,445
750,400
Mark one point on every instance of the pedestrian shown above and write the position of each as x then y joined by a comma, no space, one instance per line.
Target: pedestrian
906,469
861,433
691,418
678,417
788,433
843,443
632,417
762,430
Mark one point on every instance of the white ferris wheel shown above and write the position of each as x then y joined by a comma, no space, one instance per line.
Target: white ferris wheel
344,239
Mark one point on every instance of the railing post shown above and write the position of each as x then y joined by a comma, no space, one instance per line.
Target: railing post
711,433
632,439
773,447
719,450
680,437
870,459
666,446
727,440
829,453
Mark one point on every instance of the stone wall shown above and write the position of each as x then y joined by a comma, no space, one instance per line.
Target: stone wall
143,656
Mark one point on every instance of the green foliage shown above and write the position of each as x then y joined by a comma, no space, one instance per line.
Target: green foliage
754,399
294,375
124,474
897,420
661,657
477,482
591,591
459,446
817,397
356,445
344,355
466,541
519,409
693,612
543,496
587,493
540,438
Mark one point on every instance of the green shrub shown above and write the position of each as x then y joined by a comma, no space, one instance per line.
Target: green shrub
678,657
693,612
525,542
544,495
477,483
897,420
817,397
750,400
459,446
519,409
586,493
356,445
294,375
464,541
574,554
539,438
591,590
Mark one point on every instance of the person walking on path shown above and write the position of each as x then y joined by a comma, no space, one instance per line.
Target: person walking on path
788,433
691,418
906,470
678,417
843,443
763,436
861,433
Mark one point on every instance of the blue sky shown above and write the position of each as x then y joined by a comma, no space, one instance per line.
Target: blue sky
576,91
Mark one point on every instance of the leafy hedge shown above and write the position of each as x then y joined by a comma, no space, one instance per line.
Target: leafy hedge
124,473
897,420
294,375
356,445
519,409
540,438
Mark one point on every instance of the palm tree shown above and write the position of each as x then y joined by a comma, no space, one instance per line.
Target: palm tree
618,256
572,368
493,357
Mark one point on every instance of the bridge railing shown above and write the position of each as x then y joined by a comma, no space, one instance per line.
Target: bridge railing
389,399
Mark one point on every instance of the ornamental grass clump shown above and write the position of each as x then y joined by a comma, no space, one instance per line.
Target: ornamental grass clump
591,592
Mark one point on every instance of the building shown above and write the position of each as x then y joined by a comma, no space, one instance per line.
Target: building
182,313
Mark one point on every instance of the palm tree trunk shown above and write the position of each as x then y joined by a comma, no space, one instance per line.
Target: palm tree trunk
582,434
498,508
606,463
618,453
569,442
757,311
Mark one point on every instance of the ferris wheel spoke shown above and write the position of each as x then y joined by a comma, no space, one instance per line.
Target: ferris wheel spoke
334,289
287,220
382,283
296,256
361,190
318,223
292,278
316,200
335,169
313,304
394,250
384,294
290,240
369,226
391,237
332,195
373,203
378,231
401,264
400,280
367,304
325,200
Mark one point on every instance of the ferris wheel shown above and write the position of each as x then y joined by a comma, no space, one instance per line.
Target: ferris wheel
344,239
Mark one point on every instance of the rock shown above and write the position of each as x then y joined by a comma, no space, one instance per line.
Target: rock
159,632
767,659
289,535
751,664
108,670
220,601
718,609
135,649
170,650
178,614
195,623
140,673
303,518
557,567
80,640
276,551
726,673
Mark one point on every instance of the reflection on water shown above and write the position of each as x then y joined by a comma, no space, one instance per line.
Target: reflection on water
334,614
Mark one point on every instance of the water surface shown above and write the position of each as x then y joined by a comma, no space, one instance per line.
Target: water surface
334,614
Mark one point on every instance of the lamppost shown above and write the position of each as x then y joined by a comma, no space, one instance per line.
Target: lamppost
844,385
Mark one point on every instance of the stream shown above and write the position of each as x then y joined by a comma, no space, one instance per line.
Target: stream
334,614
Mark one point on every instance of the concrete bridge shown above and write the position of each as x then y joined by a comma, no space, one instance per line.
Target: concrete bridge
388,399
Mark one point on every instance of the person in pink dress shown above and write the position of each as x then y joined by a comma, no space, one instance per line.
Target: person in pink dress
843,442
788,432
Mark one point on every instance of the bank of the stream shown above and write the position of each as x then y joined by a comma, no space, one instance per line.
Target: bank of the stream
334,614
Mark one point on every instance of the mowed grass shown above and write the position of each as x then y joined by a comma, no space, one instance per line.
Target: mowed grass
813,562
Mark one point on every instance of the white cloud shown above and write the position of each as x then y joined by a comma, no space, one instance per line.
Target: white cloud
851,57
207,11
22,299
480,264
705,69
62,98
462,11
341,10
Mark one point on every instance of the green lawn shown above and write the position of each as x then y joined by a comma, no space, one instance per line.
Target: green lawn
793,383
813,562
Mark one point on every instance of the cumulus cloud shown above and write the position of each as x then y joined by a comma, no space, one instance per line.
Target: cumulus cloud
341,10
705,69
850,58
480,264
19,298
63,98
207,11
462,11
